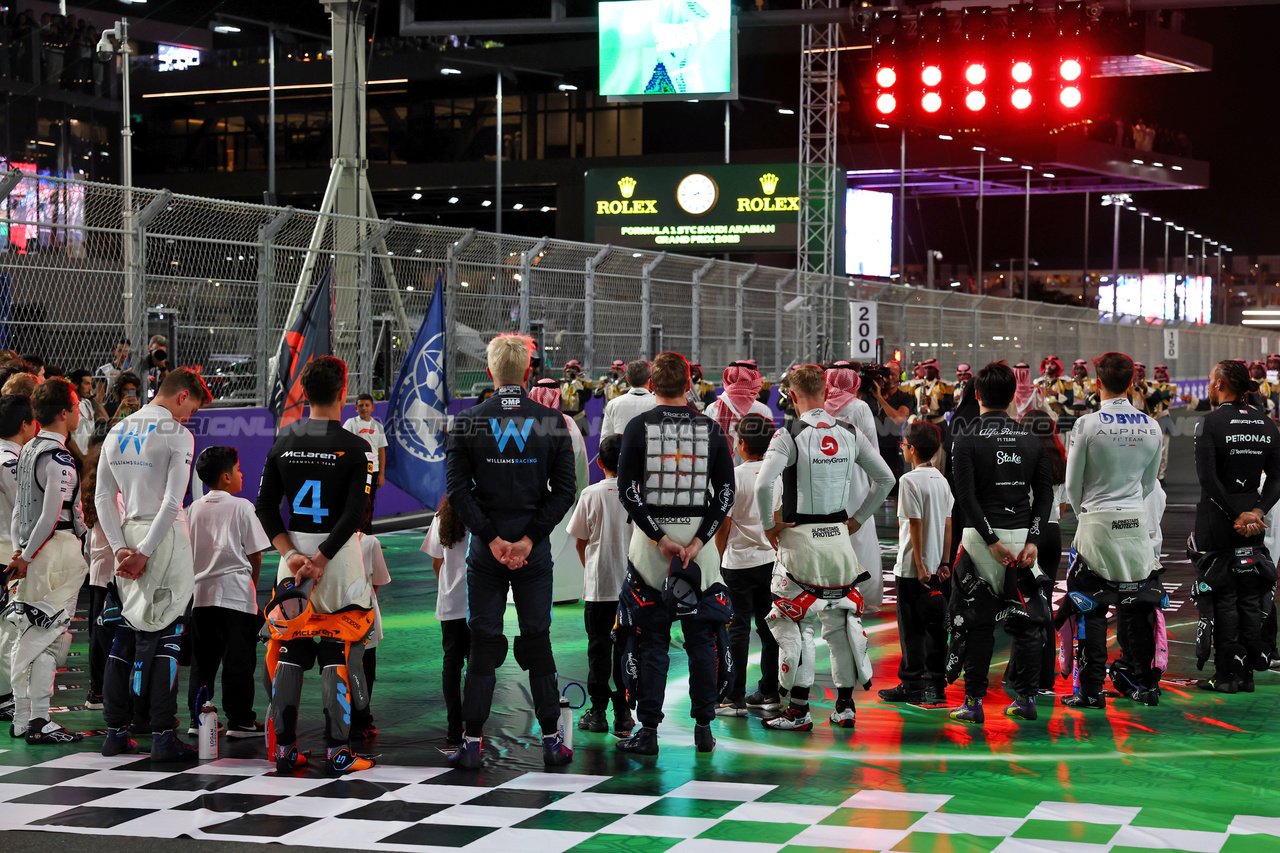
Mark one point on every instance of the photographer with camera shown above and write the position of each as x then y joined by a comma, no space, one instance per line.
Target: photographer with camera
157,363
892,407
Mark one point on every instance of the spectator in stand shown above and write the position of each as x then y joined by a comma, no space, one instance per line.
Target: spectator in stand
22,384
105,376
92,415
124,396
35,365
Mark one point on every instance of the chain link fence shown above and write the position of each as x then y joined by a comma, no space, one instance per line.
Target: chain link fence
84,265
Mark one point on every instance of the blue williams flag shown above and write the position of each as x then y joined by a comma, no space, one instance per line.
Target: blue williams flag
415,421
308,338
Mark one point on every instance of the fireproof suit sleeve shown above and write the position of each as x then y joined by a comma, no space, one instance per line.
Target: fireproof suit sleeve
460,481
348,523
966,492
631,474
1041,494
720,482
266,507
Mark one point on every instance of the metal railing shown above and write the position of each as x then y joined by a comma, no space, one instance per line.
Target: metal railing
225,279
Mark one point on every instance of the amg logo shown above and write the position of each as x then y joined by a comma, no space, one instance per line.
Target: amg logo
1124,524
825,532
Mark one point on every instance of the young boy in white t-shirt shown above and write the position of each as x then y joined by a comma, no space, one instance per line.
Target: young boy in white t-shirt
227,542
924,531
375,566
746,563
603,530
446,544
367,427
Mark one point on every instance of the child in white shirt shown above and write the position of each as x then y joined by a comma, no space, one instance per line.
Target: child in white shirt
375,566
227,542
446,543
365,425
746,564
924,531
603,530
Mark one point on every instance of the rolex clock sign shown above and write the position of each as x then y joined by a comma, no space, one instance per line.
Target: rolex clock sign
692,210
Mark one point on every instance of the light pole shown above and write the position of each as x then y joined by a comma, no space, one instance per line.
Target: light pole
982,168
106,50
1026,239
1116,201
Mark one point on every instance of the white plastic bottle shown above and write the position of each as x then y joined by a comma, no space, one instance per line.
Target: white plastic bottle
208,733
566,723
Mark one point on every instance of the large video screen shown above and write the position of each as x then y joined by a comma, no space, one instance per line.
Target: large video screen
868,233
666,48
1162,297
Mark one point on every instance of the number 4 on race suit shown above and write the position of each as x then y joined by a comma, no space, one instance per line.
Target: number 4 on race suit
317,512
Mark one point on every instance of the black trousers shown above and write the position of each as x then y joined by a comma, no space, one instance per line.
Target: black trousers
922,632
455,639
751,599
227,638
1049,558
655,658
157,701
100,639
487,585
366,523
1237,625
1136,634
604,657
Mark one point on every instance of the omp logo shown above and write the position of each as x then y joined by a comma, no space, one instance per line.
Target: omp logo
510,432
627,186
769,183
829,446
135,435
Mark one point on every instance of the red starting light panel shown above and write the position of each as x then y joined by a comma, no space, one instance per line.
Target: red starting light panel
1021,72
975,101
886,104
932,102
976,73
1070,97
1021,99
886,77
931,75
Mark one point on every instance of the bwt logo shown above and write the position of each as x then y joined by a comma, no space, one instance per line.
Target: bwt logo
829,446
1122,418
511,432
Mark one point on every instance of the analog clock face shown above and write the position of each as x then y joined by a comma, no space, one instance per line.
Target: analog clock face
697,194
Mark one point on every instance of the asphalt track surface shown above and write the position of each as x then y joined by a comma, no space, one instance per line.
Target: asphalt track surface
1196,773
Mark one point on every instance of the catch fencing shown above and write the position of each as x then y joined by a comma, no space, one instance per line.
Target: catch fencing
83,265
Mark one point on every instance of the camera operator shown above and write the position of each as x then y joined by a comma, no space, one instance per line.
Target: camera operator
892,407
575,390
157,363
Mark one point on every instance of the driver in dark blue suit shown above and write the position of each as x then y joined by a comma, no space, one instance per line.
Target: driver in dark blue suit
510,480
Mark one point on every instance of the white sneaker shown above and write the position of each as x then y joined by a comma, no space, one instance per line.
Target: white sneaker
844,719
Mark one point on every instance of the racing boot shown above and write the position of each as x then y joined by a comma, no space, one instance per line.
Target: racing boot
343,761
793,719
703,739
165,746
844,715
288,758
1085,701
643,742
43,732
554,752
969,712
119,742
1022,708
469,754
